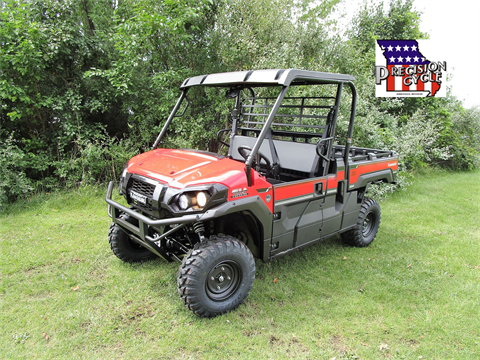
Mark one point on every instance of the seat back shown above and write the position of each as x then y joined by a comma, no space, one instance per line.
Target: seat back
294,156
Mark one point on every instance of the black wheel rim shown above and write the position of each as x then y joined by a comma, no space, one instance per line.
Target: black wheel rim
368,224
223,280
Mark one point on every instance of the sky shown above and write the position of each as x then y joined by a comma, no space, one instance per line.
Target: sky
454,29
455,26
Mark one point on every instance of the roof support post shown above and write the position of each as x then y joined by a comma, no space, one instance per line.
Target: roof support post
263,134
350,129
170,118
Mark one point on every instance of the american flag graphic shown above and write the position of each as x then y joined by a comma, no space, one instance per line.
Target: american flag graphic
404,54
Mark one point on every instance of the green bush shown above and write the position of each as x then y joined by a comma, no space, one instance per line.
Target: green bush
13,181
464,139
85,85
92,156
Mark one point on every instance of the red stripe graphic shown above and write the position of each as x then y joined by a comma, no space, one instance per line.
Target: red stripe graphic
282,192
405,87
435,85
390,79
420,83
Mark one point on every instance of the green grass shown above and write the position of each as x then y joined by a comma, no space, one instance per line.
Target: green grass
414,293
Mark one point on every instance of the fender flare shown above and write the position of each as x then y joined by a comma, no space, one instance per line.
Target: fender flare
257,208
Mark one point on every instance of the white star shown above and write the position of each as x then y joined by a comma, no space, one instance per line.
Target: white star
408,59
405,48
398,48
415,59
392,59
390,48
414,48
400,59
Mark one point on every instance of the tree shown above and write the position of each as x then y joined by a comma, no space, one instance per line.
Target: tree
79,77
47,103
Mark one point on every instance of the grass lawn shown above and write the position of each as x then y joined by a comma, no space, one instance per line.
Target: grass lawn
413,294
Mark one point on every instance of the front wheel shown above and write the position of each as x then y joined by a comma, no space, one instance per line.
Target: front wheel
125,248
216,276
367,225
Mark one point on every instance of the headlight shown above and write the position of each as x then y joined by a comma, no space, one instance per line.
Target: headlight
201,199
195,199
192,200
184,202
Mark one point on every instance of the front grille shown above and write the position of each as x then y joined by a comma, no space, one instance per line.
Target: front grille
143,188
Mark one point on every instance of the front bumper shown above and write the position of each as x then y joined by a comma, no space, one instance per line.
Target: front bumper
158,242
140,233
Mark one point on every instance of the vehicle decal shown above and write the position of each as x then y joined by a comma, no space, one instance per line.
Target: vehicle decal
370,168
236,193
138,197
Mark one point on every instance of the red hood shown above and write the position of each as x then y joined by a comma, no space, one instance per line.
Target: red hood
180,168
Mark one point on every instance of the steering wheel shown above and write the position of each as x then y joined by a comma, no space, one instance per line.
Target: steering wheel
242,150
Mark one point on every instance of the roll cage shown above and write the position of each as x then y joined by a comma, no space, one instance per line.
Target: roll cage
255,119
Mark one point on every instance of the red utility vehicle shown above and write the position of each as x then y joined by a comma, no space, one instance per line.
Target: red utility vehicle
284,184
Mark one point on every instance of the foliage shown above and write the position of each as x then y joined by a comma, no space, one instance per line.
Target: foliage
424,131
465,132
13,181
78,78
46,101
263,34
157,45
373,22
95,157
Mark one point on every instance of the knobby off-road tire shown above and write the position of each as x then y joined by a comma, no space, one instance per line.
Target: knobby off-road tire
216,276
123,247
367,225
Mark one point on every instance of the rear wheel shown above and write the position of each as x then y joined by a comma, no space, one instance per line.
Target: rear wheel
125,248
216,276
367,225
